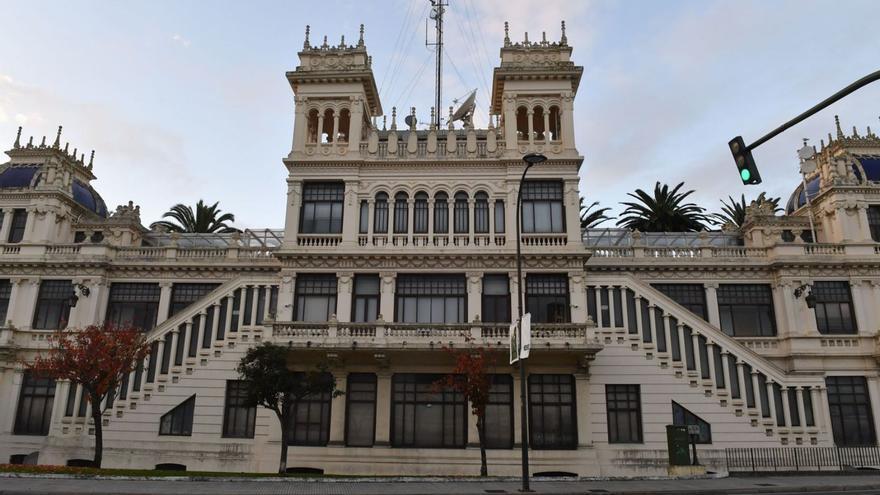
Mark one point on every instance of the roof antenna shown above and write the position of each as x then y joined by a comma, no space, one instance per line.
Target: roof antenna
438,7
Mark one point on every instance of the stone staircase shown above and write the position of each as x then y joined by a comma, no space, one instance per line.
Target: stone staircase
232,316
787,406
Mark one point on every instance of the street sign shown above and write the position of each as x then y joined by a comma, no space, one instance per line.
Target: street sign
693,429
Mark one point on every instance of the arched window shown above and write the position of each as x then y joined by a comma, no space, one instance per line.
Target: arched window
364,221
461,213
313,126
401,213
327,131
344,125
380,216
522,124
538,123
555,123
420,213
481,213
441,213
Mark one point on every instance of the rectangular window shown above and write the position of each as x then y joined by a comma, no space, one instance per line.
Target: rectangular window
683,417
380,215
424,417
364,220
552,415
420,214
542,207
360,414
690,296
365,304
315,297
426,298
441,214
34,405
322,208
547,298
178,421
311,418
499,216
238,417
401,213
16,228
746,310
624,406
182,295
834,308
874,222
5,295
481,214
499,413
460,211
496,299
133,304
852,420
53,304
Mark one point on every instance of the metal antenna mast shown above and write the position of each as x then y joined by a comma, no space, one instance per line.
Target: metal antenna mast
437,9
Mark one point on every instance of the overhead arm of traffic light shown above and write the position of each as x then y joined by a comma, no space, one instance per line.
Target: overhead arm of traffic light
742,154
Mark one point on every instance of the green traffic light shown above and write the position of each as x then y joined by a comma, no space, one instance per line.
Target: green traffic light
745,174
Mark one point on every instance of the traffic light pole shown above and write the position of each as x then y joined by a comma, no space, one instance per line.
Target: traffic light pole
874,76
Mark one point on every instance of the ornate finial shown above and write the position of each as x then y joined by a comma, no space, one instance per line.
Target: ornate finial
325,45
43,142
393,118
74,154
91,159
30,142
837,124
526,39
57,143
361,38
543,37
82,158
433,116
855,132
306,44
564,40
384,122
66,145
342,42
870,134
450,125
369,60
491,125
412,113
17,143
506,34
822,143
829,138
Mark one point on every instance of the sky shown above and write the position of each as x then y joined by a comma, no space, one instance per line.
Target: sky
187,100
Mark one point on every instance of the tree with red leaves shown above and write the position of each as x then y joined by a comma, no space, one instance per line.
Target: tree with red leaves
97,358
470,377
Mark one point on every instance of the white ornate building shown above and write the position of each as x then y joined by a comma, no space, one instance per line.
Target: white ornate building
399,241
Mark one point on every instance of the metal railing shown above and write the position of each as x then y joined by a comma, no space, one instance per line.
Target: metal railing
801,458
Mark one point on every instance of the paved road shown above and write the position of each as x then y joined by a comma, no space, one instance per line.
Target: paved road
849,485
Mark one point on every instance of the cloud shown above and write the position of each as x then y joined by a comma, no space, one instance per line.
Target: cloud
180,40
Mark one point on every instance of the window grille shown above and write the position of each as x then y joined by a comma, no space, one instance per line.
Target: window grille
53,304
834,308
238,416
431,298
547,298
315,297
543,209
360,415
624,407
690,296
746,310
852,420
552,414
422,416
34,413
322,208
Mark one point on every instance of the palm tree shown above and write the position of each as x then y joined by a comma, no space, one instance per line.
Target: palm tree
665,211
734,213
591,219
205,220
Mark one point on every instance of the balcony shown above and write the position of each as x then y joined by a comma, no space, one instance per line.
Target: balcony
571,337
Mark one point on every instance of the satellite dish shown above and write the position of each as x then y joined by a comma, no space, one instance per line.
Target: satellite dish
466,110
411,121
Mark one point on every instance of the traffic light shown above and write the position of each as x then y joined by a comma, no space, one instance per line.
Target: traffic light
748,171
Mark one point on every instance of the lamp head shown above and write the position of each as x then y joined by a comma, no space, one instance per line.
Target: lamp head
534,158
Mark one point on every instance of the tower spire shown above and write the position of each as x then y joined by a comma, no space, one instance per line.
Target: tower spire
91,159
506,34
837,124
17,143
57,143
564,40
306,44
361,38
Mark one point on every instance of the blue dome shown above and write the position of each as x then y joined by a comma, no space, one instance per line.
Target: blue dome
86,196
17,177
871,164
798,198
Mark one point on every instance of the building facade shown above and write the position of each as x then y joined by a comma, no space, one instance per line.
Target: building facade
400,241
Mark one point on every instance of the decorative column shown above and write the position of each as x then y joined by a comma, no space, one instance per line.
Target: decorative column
771,400
371,211
786,407
682,348
584,416
386,295
291,221
6,223
337,411
344,283
431,217
783,302
861,303
652,324
712,304
756,392
725,372
578,297
164,302
29,224
352,206
172,358
698,363
710,362
802,413
546,136
383,408
741,380
203,319
187,338
474,296
285,298
531,117
215,320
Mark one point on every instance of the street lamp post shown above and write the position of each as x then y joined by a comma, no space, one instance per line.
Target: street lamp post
530,160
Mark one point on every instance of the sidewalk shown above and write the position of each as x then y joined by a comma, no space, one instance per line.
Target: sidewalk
372,486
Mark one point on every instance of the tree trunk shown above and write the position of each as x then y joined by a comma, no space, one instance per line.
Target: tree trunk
481,431
99,429
282,463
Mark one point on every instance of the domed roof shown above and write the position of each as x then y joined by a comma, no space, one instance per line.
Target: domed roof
18,177
86,196
870,164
